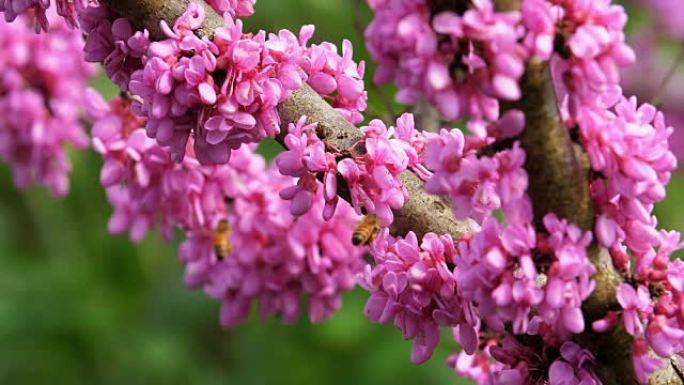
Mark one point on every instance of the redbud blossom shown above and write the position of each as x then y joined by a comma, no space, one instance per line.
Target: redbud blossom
40,101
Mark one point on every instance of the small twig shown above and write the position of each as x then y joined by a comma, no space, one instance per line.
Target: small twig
660,92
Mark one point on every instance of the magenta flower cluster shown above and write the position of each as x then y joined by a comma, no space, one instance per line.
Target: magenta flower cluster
179,152
222,91
629,152
519,364
587,72
41,85
276,257
235,8
477,185
372,176
39,11
424,50
71,10
413,287
112,41
537,281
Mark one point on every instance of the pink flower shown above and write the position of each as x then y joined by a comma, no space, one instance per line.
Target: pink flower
111,40
412,286
14,8
597,52
477,185
42,88
644,363
575,366
276,258
306,158
40,12
224,92
540,18
664,336
239,8
634,303
403,37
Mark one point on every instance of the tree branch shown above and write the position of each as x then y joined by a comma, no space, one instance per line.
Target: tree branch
558,168
422,213
559,183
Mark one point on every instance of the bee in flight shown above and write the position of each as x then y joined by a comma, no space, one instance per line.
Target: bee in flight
222,246
366,230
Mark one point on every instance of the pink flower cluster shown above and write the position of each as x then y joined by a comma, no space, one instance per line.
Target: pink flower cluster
587,73
338,79
629,153
628,146
372,176
515,363
412,286
275,259
524,282
477,184
111,40
536,282
178,153
651,304
461,63
38,11
234,8
540,18
574,365
278,258
41,85
652,59
225,91
133,168
71,10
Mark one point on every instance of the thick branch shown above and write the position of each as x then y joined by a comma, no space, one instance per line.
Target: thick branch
557,175
558,169
422,213
559,183
148,13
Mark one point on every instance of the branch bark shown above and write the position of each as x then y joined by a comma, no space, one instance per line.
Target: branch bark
422,213
558,169
559,183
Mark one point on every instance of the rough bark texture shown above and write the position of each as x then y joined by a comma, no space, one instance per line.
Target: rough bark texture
559,183
148,14
557,167
422,213
557,176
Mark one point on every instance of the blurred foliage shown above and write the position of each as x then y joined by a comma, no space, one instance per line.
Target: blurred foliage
79,306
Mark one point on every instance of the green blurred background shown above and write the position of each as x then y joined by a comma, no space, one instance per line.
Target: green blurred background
79,306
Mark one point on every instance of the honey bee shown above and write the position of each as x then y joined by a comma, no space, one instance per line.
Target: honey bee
366,230
222,246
